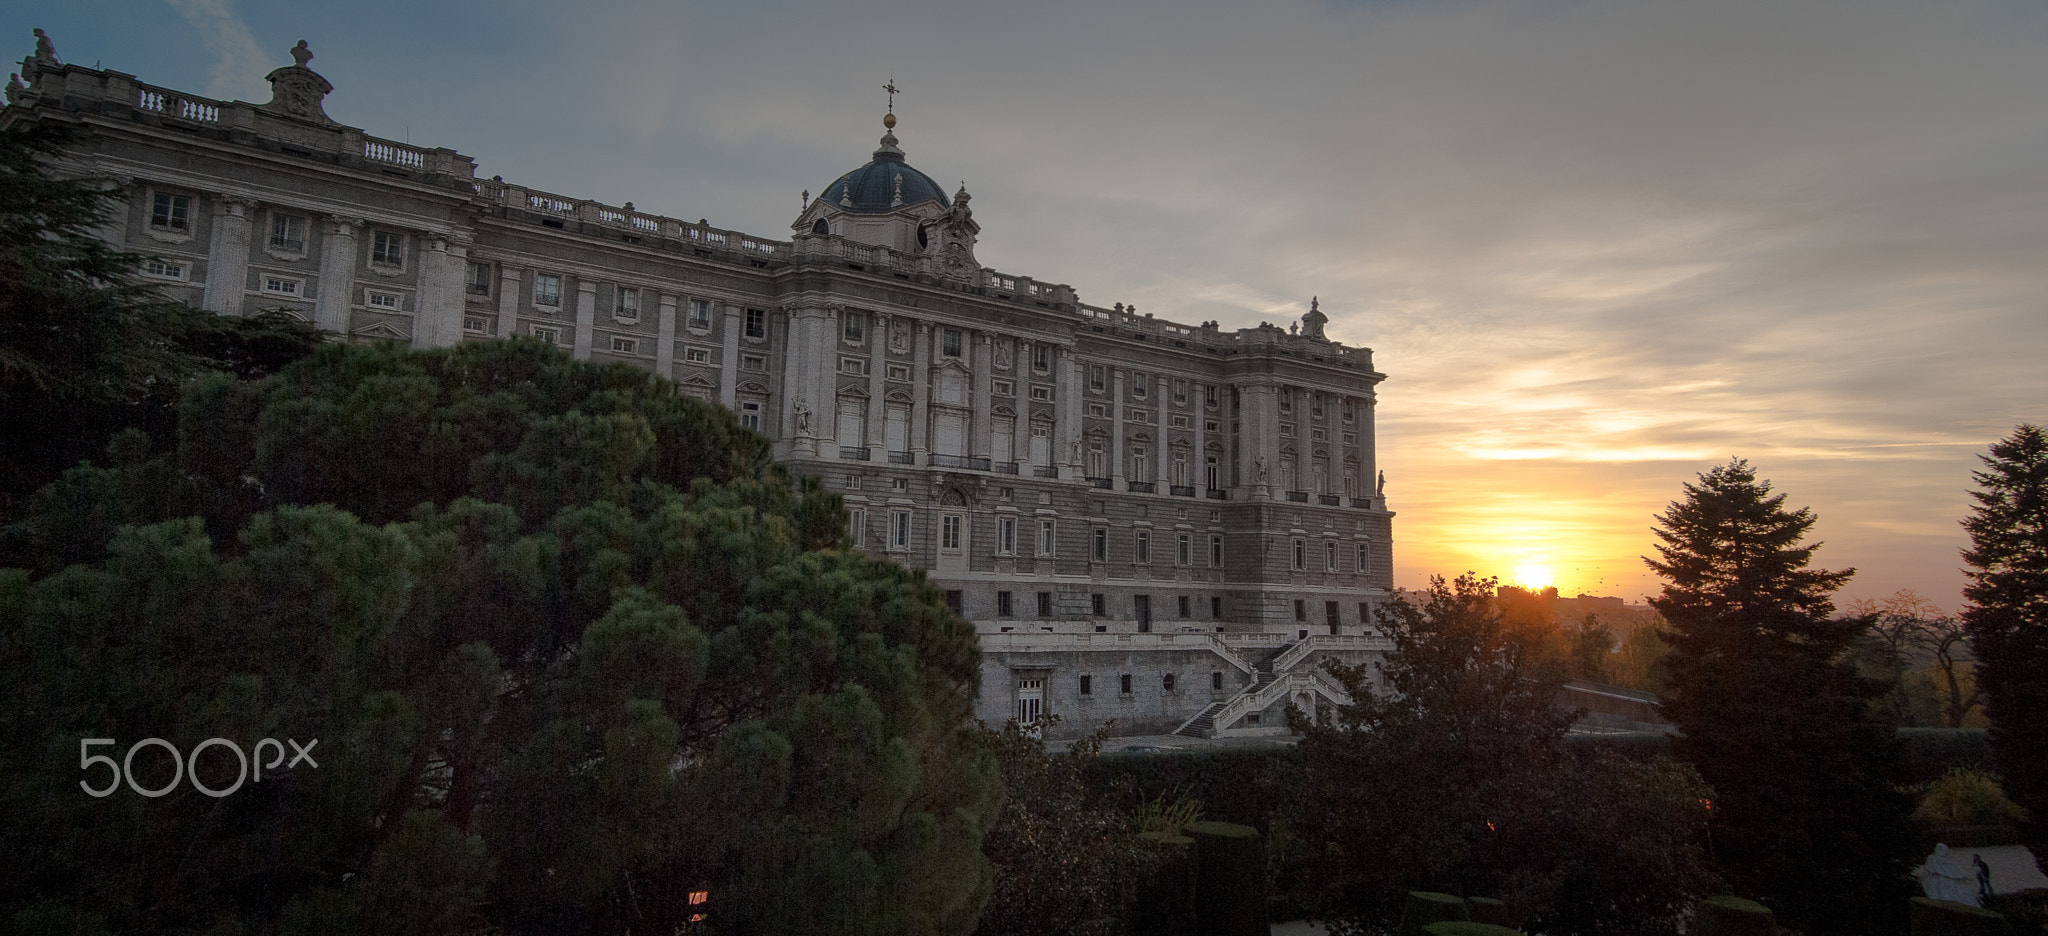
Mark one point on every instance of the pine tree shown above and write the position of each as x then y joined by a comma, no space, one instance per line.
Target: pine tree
2007,617
1805,814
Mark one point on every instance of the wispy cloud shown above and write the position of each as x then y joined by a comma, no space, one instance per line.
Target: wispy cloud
238,63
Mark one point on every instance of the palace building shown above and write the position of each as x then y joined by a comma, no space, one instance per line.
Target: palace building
1163,524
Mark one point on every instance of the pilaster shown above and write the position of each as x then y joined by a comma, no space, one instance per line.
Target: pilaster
1067,413
1199,461
227,256
1162,462
586,318
509,281
921,392
337,274
729,359
878,369
665,338
984,365
1116,428
437,313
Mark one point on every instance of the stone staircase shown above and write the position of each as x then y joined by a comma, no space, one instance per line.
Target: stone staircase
1203,725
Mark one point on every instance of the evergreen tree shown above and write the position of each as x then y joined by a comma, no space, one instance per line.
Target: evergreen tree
1805,814
2007,617
574,648
1448,773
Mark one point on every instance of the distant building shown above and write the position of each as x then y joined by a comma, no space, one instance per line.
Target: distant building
1163,524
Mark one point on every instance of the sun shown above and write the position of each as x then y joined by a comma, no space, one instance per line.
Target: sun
1534,575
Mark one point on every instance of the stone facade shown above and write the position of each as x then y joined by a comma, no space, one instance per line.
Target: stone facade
1104,494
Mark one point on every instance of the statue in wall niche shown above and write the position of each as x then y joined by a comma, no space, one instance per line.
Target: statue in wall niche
1312,323
1002,352
1259,469
803,419
899,335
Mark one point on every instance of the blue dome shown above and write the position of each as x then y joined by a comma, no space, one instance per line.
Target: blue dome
873,188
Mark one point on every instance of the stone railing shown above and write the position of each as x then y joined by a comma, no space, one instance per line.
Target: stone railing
1257,700
1300,651
626,218
1043,642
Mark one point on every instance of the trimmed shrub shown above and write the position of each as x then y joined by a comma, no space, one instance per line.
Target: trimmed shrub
1733,916
1230,879
1488,910
1965,797
1456,928
1932,917
1427,907
1166,886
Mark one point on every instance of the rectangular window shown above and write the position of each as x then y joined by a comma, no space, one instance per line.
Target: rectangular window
753,362
1210,401
1098,378
1329,557
1166,682
1300,555
1041,394
478,278
1005,388
625,345
700,314
857,526
1286,402
696,356
1216,680
1138,385
854,329
949,342
1098,605
1124,684
287,233
387,249
163,268
476,326
281,286
1045,606
1006,536
1041,357
1216,551
547,290
1180,390
899,529
1184,550
1144,546
1098,410
853,366
949,533
549,335
757,324
1048,538
750,415
626,307
1216,607
956,601
899,372
1003,604
1364,556
1330,615
171,213
1300,610
1364,613
1087,687
1101,545
1186,607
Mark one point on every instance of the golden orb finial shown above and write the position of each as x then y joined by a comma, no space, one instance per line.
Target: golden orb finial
888,121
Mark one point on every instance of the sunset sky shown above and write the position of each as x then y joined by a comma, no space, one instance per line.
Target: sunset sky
1597,247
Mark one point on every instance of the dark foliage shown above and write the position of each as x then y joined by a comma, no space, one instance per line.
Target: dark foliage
1807,815
1065,853
1450,774
86,350
2007,616
557,632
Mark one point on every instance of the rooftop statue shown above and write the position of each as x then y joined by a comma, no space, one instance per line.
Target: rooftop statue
1312,323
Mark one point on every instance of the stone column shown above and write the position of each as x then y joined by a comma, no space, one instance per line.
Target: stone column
227,257
437,311
1199,461
1259,433
791,384
1066,413
921,391
1116,428
1020,426
665,338
978,443
1368,447
1163,462
586,318
729,358
509,278
338,259
878,370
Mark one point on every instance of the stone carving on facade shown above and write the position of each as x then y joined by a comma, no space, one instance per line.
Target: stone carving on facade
899,335
297,90
803,419
1259,469
15,88
1003,353
1380,490
1312,323
957,231
46,51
